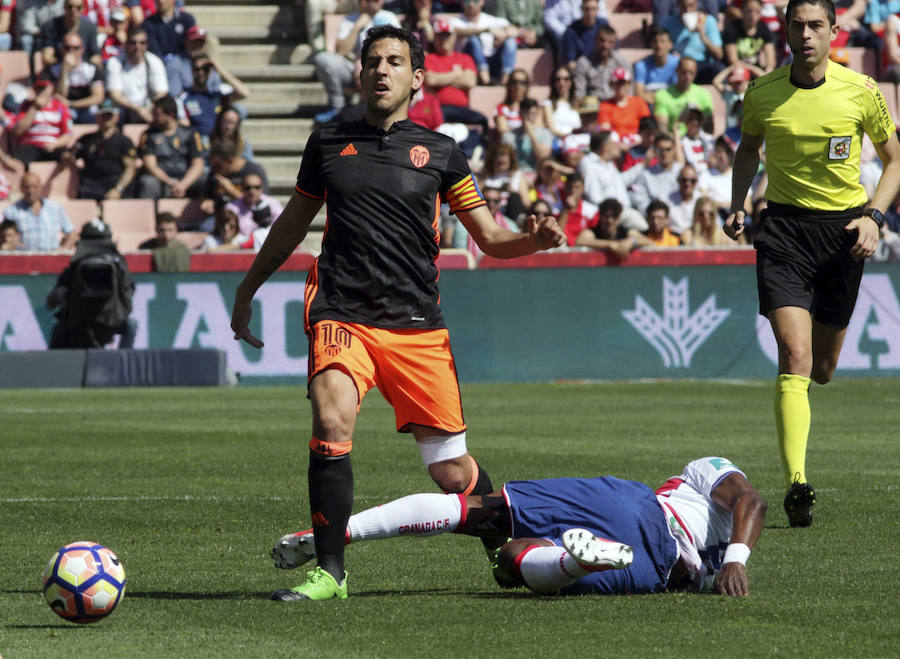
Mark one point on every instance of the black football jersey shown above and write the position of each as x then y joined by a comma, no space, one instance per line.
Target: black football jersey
383,192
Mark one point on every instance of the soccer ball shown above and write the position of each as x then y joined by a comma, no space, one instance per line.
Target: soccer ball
83,582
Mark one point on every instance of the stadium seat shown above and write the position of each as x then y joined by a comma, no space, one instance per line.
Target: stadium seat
134,131
14,67
186,211
862,60
538,62
128,241
630,28
127,216
59,180
193,239
79,211
634,54
80,130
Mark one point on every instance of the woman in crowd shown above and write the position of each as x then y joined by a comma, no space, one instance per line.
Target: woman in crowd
228,126
559,111
506,116
705,231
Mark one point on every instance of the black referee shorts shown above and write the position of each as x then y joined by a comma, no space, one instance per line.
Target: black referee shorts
803,260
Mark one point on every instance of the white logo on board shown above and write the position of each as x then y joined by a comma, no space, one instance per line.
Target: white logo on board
676,334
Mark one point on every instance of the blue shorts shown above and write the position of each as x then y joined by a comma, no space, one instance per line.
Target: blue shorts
611,508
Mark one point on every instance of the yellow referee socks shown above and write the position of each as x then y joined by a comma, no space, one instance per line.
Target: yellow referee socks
792,423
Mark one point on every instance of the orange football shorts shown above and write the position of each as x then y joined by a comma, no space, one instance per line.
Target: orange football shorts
413,369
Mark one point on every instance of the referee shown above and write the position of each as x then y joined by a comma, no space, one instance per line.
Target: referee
372,308
818,227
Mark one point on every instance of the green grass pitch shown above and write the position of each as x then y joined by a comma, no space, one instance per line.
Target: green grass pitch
191,487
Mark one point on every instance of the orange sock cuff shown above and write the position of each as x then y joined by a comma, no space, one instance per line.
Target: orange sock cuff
329,449
474,481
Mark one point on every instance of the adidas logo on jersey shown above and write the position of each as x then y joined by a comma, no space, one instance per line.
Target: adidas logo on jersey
349,150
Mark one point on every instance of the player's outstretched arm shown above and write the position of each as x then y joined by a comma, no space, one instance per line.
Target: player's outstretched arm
286,233
502,243
748,513
746,163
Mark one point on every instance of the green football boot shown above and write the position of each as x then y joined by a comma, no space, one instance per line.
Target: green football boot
319,585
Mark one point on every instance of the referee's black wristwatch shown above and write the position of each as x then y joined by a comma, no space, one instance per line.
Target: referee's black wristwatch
876,215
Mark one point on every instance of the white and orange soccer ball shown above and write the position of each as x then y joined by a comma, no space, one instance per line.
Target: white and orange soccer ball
83,582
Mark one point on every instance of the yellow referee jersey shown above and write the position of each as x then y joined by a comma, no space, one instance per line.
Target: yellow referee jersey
814,136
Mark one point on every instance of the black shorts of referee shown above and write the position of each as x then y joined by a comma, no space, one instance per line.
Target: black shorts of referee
803,260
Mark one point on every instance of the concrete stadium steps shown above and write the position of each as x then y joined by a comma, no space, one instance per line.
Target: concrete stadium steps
273,72
281,170
265,54
285,93
286,136
247,15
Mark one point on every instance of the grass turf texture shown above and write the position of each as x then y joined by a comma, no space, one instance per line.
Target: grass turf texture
191,487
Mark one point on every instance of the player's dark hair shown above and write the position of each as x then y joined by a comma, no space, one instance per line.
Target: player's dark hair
610,206
827,5
607,30
379,32
657,205
168,105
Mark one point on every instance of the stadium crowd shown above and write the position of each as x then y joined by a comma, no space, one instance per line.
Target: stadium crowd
629,147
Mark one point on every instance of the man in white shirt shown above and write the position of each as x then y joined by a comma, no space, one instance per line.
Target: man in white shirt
659,180
603,180
681,202
138,79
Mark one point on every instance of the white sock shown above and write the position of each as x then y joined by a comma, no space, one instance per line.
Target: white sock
416,514
547,569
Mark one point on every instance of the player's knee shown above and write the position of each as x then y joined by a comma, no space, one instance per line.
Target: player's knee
333,427
822,373
447,460
795,359
449,476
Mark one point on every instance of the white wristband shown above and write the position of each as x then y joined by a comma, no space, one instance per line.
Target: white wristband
736,552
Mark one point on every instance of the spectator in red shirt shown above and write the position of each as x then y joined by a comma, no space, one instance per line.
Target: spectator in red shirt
425,110
578,214
624,111
450,74
43,126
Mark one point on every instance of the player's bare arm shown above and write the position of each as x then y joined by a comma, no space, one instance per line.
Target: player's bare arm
502,243
748,513
746,163
868,230
286,233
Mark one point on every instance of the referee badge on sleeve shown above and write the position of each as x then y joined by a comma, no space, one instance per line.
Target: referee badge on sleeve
839,148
